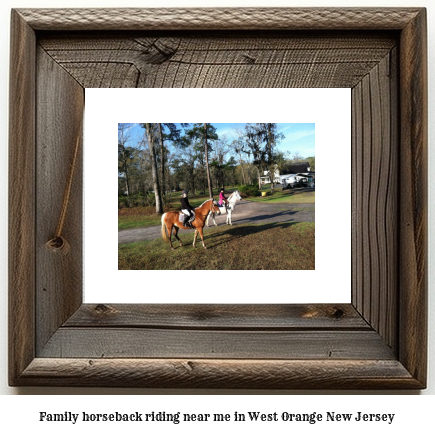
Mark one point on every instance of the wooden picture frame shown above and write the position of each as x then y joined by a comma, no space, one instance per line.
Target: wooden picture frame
376,342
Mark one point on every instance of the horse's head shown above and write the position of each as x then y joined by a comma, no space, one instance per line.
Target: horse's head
215,207
237,195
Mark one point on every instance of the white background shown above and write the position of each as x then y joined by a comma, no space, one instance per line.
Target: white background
329,109
416,412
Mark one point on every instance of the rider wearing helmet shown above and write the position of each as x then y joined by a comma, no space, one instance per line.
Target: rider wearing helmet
186,208
222,198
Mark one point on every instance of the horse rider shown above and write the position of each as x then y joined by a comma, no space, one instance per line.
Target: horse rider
186,208
222,198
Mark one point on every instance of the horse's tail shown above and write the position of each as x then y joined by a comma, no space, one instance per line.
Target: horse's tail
164,233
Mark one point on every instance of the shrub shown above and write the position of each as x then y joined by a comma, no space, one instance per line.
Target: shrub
249,190
137,200
150,199
123,202
166,199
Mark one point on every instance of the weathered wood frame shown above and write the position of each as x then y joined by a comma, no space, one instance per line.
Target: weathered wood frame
377,341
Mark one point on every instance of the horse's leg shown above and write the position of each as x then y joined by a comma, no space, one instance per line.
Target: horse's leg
212,215
176,228
170,237
202,237
229,218
194,237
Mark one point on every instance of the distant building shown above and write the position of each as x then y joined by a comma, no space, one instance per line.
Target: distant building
298,179
298,168
298,174
265,179
294,174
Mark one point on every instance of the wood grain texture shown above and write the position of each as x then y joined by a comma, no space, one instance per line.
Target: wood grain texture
378,342
220,317
21,197
59,281
375,199
229,374
237,60
413,196
220,18
94,342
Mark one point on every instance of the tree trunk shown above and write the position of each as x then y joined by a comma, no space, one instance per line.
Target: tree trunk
192,183
127,184
269,151
243,173
162,157
272,175
210,191
156,186
124,165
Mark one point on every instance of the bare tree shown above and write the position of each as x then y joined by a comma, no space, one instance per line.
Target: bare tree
125,153
210,191
162,158
271,137
238,145
150,129
254,146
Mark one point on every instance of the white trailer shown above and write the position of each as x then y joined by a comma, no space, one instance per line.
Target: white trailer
295,180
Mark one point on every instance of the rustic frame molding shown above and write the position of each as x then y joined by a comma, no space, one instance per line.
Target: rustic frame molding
377,341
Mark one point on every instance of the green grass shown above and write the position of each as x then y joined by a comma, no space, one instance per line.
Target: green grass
198,198
287,196
137,221
143,216
129,218
270,246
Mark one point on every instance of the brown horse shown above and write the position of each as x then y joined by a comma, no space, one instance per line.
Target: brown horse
171,220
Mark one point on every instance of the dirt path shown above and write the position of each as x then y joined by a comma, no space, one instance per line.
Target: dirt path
245,212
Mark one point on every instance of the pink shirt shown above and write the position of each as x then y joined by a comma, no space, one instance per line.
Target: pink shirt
221,198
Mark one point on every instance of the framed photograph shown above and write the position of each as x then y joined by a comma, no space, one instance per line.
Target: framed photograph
288,236
375,341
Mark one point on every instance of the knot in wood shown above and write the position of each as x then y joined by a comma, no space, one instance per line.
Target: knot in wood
103,309
58,244
338,313
157,52
249,59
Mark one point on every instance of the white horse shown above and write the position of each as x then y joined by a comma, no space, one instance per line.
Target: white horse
232,199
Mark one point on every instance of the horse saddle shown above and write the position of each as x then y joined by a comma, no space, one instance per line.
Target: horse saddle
183,217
